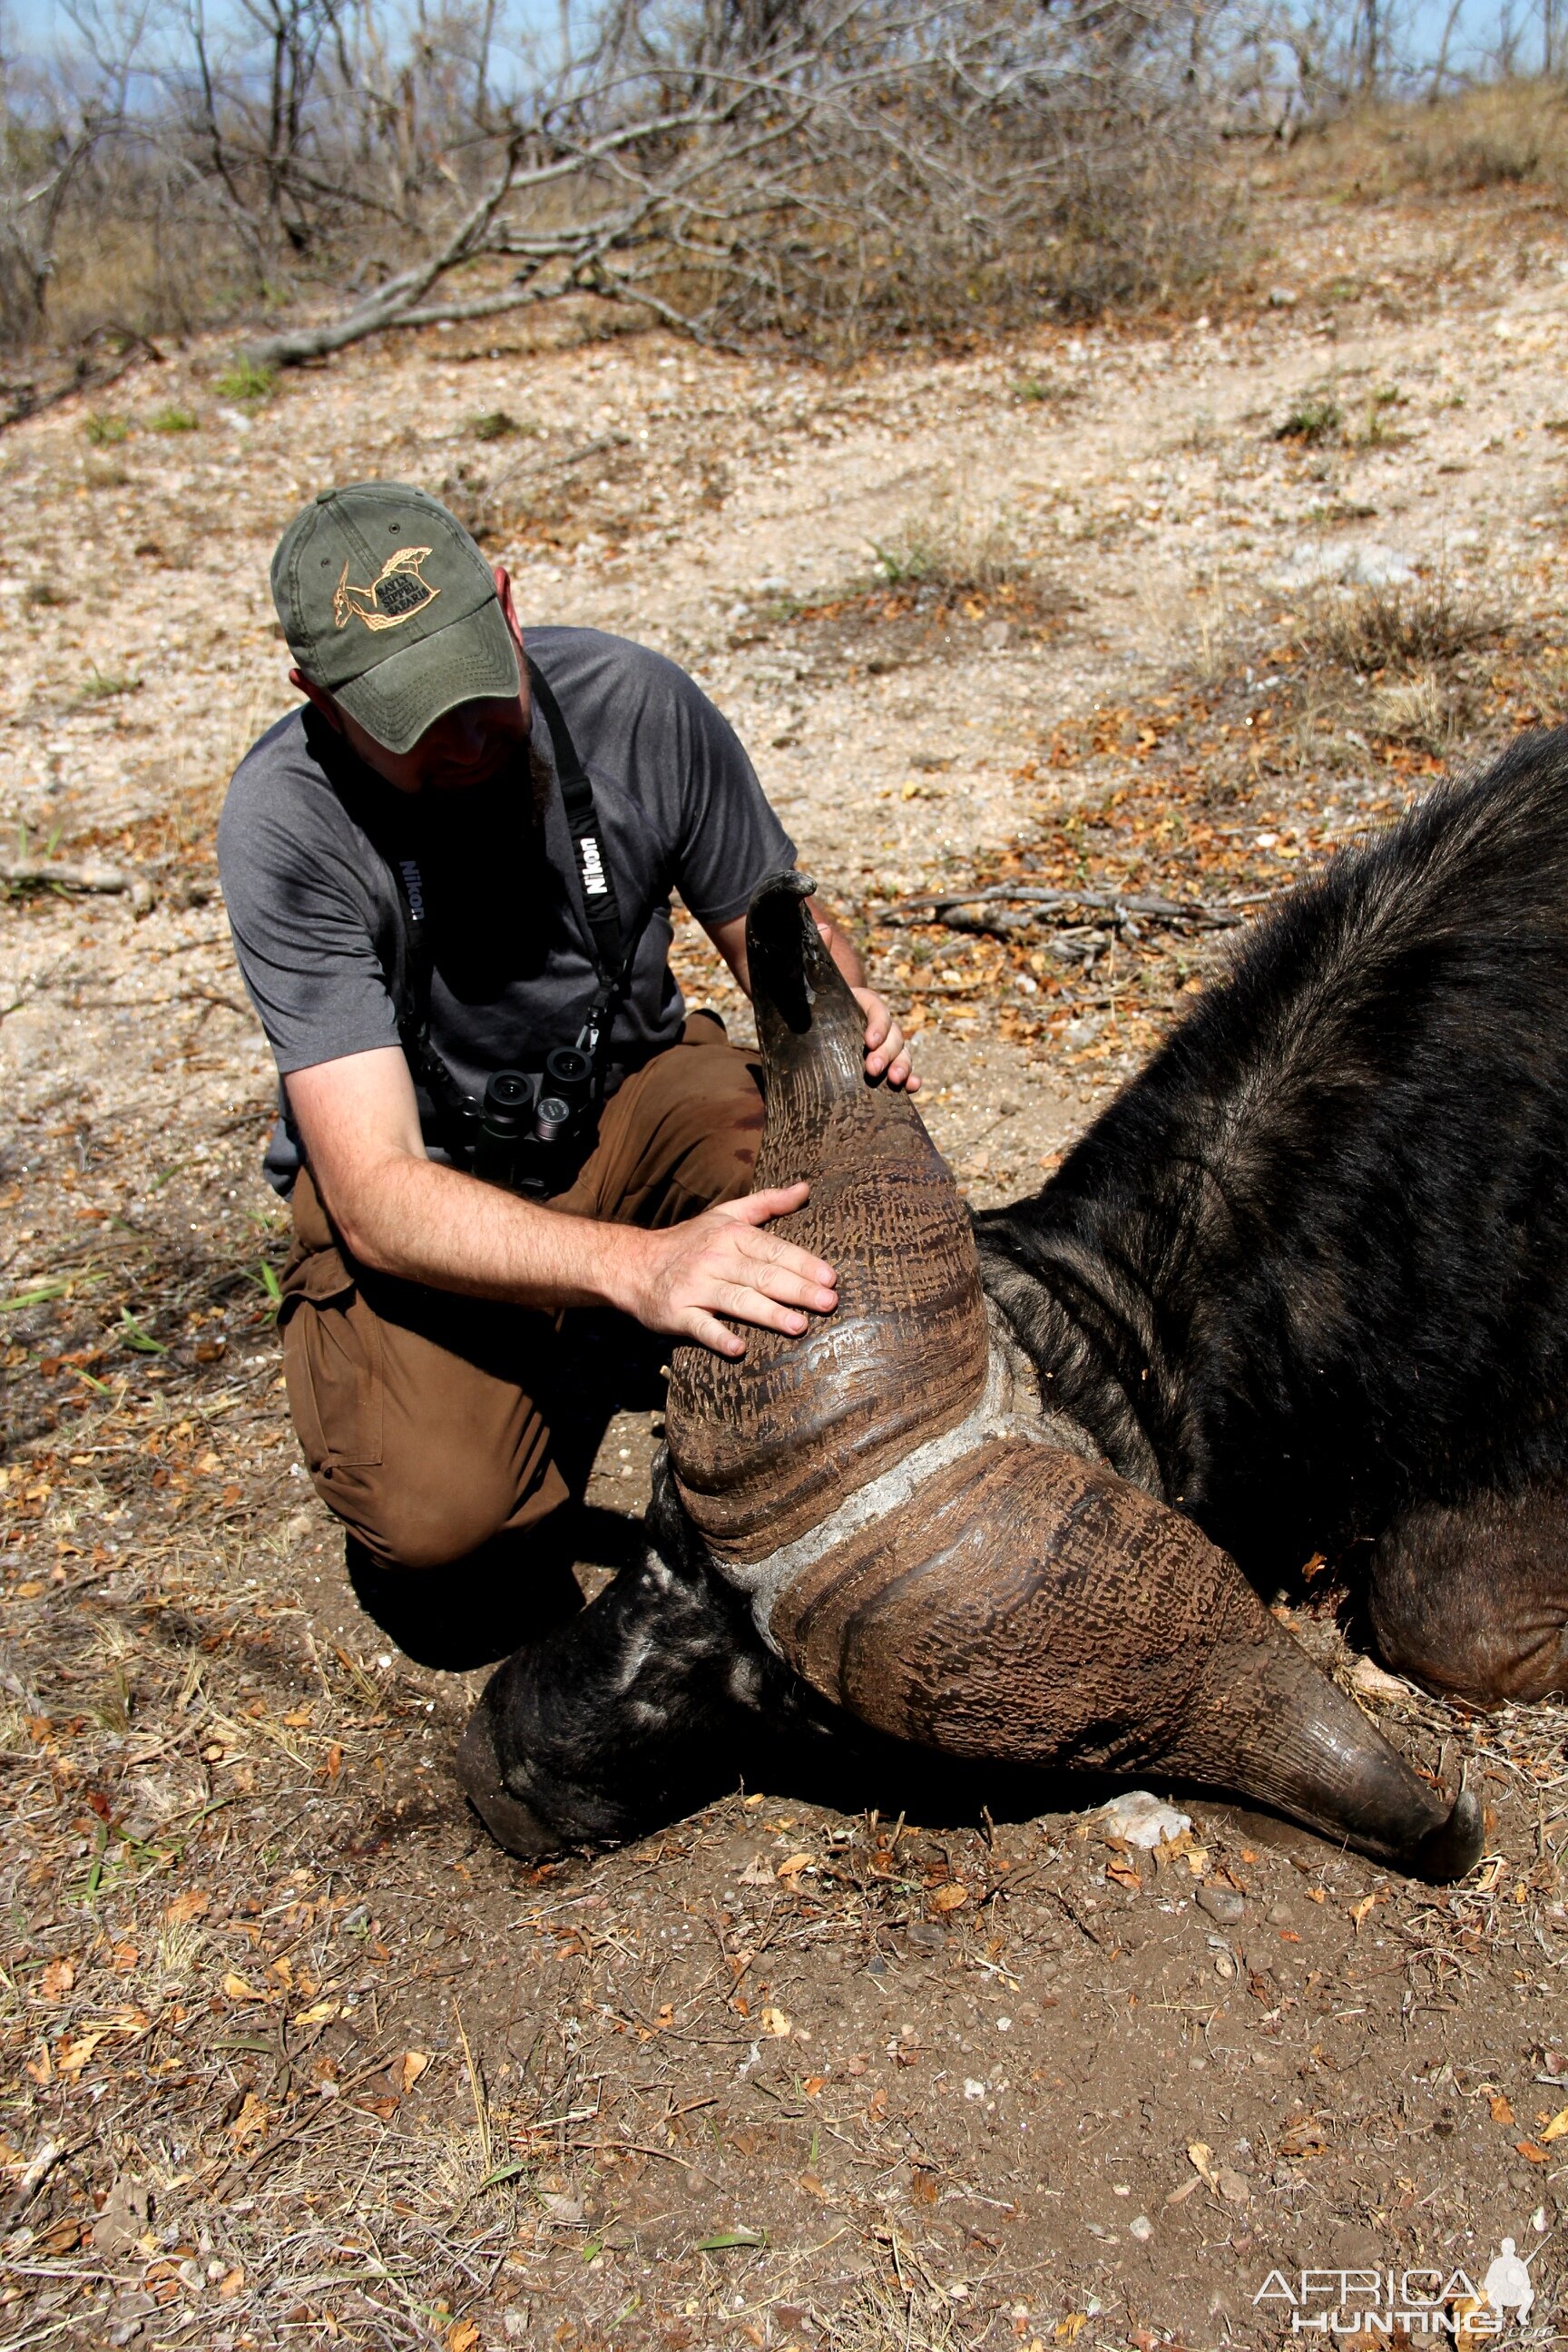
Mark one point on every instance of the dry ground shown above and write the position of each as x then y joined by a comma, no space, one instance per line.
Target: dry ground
292,2055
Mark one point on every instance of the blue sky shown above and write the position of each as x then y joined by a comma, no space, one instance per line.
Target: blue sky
28,24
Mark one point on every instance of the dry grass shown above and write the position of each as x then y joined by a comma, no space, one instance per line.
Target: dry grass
950,545
1406,628
1514,134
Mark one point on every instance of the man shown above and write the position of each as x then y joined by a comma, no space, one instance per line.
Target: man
455,858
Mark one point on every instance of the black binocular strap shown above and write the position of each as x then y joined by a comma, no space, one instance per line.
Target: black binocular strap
582,822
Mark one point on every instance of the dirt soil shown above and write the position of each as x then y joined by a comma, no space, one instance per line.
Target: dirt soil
292,2055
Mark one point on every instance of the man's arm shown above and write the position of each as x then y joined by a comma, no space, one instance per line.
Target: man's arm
403,1214
887,1055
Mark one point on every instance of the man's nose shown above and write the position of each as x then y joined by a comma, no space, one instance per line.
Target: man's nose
466,733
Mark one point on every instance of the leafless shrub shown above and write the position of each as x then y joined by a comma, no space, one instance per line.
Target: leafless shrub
834,170
1405,626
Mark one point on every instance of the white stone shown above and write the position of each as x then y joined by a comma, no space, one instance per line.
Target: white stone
1143,1819
1346,563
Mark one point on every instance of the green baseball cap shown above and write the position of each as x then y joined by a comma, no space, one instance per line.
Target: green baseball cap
386,601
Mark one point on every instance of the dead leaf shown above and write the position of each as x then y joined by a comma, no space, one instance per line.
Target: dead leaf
1359,1911
1199,2155
238,1989
123,2219
58,1979
1067,2330
1557,2128
229,2285
251,2121
462,2336
415,2063
794,1865
814,2086
775,2022
758,1871
189,1904
1501,2112
1531,2152
76,2055
1179,2195
317,2014
949,1898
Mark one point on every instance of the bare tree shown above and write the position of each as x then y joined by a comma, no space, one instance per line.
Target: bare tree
765,162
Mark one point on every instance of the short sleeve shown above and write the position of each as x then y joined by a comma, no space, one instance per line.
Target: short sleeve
725,836
302,916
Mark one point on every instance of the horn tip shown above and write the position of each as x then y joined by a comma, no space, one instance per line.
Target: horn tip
789,884
1455,1845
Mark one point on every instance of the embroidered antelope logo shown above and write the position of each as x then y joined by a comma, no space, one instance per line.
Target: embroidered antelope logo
398,591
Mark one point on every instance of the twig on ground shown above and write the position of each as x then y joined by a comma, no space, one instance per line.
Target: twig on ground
1198,914
44,874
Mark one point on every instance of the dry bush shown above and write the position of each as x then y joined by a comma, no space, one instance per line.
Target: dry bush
1405,626
837,171
1511,133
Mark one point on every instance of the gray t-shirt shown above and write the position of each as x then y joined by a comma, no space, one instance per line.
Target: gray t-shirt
311,844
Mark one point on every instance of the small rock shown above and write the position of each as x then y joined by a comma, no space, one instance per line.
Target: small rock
1346,563
1221,1902
1145,1820
1280,1914
996,635
1141,2228
1231,2186
1280,298
1370,1681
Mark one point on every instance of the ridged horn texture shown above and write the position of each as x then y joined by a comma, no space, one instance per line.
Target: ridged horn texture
1018,1602
769,1447
1027,1604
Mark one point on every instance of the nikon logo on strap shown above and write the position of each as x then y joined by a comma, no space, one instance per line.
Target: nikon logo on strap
594,884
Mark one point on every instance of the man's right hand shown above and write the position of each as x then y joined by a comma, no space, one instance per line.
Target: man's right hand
401,1214
682,1278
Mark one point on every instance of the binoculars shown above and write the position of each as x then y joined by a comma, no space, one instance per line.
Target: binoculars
535,1125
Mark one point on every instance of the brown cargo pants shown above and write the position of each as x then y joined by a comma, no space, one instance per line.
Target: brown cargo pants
426,1417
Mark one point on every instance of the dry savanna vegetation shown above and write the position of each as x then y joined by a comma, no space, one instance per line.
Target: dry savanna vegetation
1070,614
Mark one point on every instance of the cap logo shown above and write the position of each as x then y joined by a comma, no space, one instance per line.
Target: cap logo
398,591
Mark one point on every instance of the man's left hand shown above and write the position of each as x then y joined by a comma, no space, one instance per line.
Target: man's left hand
887,1055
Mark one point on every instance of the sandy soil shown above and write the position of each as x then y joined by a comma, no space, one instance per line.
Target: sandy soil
292,2054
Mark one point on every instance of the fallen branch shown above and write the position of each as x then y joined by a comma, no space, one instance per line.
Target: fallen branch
27,398
1197,914
46,876
33,2175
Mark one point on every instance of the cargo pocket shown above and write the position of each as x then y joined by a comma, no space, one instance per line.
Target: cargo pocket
333,1363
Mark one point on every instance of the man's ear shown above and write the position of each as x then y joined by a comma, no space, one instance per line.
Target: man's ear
318,696
503,595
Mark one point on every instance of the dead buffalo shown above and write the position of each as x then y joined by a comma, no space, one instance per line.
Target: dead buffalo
1303,1288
